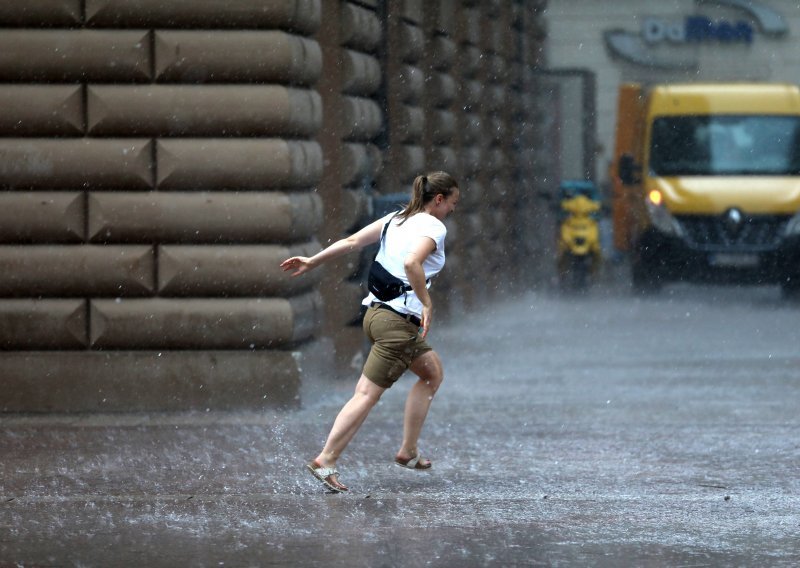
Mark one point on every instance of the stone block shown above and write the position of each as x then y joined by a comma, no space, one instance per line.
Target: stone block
203,217
497,69
412,11
74,55
41,324
296,15
230,271
360,28
351,348
203,323
444,158
362,119
85,163
410,162
471,160
471,129
361,73
443,53
410,44
148,381
471,25
41,110
442,89
498,131
241,56
76,270
410,124
203,110
42,217
345,311
442,127
217,163
472,93
470,60
355,163
444,16
40,13
410,84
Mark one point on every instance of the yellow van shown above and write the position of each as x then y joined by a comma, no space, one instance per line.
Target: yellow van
707,183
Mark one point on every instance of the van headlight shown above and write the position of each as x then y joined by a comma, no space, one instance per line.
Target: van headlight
793,226
660,216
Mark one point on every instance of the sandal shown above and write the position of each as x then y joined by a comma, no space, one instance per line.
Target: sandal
413,463
327,475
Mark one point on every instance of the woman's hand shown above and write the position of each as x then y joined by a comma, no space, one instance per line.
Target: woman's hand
300,265
425,321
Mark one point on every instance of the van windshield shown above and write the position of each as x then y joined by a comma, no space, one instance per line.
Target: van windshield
725,145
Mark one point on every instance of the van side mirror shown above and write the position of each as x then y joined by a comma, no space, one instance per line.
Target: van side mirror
628,170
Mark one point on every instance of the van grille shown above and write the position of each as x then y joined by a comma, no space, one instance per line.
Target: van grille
716,233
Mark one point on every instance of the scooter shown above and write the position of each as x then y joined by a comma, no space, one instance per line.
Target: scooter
579,254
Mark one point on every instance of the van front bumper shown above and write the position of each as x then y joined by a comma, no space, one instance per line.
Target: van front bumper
676,259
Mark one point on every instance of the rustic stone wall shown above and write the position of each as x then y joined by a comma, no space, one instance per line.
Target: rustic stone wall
157,161
159,158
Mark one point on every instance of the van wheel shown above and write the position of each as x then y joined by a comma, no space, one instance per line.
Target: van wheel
645,277
790,288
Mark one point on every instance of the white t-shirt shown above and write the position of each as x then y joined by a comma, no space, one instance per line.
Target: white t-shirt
398,242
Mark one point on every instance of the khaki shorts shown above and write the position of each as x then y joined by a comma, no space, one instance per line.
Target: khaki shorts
395,344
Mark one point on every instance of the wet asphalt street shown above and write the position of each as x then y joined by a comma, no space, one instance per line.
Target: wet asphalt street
605,430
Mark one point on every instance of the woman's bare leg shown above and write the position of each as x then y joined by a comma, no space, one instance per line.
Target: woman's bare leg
349,420
428,367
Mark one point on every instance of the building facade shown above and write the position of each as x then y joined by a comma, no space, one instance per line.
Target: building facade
158,159
649,41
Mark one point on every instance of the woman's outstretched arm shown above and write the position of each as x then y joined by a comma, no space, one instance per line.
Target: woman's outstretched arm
366,236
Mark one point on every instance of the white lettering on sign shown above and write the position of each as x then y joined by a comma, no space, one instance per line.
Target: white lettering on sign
695,29
637,46
656,30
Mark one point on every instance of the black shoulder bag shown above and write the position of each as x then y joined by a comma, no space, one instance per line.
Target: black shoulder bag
380,281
